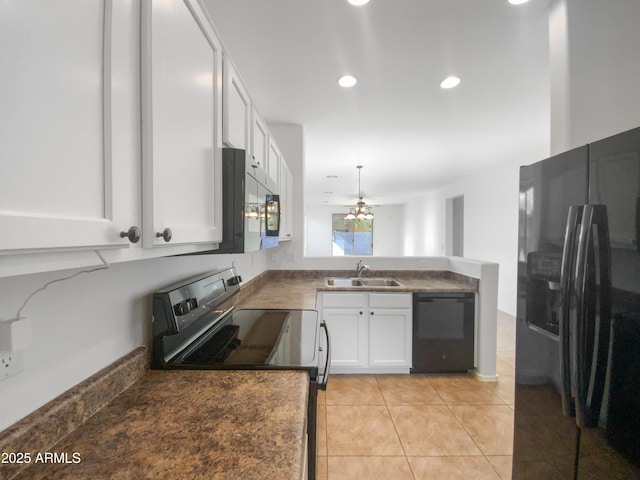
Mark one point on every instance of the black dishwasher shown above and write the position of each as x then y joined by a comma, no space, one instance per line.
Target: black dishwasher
443,332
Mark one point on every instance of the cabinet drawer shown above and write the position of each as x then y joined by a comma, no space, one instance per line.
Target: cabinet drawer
341,300
390,300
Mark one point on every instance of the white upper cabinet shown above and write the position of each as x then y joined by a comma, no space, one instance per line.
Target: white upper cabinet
182,115
286,201
82,166
236,109
259,141
273,163
68,92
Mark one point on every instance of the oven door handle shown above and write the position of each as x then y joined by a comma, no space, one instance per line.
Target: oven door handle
327,365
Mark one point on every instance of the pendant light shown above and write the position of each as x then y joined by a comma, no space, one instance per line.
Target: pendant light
361,210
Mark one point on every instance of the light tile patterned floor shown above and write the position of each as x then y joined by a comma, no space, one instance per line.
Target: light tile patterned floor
415,427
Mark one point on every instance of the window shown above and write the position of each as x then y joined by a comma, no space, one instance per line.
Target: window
351,237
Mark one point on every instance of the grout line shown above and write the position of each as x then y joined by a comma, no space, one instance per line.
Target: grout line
494,468
395,429
461,425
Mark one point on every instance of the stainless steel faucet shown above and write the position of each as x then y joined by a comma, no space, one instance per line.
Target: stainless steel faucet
360,268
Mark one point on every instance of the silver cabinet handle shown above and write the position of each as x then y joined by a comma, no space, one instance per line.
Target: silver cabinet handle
166,234
133,234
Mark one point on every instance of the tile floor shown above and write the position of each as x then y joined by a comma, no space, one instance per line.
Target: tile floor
418,427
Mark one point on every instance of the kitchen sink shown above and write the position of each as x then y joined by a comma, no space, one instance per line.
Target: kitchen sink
381,282
343,282
362,282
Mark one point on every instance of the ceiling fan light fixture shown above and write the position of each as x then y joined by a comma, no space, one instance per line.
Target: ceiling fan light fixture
450,82
347,81
361,211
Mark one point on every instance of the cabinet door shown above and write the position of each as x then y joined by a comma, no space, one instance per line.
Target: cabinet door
259,141
182,71
390,338
286,202
236,109
349,335
273,164
67,130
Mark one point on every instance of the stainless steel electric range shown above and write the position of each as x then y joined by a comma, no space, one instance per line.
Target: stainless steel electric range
196,326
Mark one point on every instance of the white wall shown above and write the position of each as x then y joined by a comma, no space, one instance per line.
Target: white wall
595,48
83,324
422,222
490,222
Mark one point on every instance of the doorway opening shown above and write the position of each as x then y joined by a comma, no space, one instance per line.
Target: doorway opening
455,226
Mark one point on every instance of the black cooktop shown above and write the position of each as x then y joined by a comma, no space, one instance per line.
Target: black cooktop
192,329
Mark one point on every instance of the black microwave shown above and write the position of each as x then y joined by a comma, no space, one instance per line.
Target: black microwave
250,211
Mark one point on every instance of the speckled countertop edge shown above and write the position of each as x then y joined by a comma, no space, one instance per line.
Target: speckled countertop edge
426,275
299,288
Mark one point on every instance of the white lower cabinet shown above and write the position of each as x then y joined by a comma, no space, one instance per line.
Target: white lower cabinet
370,332
390,338
349,337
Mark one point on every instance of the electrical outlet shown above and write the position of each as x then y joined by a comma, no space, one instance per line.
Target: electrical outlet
9,364
291,257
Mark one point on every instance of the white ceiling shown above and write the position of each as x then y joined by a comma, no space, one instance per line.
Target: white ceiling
409,134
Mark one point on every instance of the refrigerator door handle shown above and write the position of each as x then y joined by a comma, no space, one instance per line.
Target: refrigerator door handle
567,303
590,340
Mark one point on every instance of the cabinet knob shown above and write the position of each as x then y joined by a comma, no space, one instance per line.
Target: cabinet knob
133,234
360,313
373,313
166,234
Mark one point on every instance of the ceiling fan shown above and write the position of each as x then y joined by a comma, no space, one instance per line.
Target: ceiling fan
361,211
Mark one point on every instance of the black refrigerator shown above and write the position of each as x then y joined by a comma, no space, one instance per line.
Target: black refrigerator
577,377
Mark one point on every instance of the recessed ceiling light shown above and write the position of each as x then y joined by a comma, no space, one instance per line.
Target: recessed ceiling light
450,82
358,3
517,2
347,81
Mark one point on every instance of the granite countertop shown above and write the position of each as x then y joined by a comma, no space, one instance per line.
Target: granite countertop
298,289
209,424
